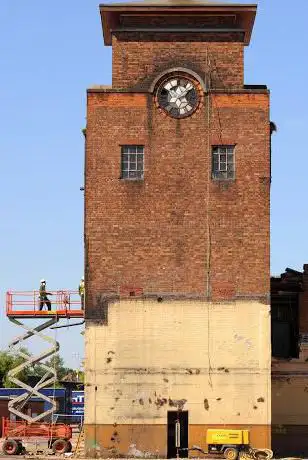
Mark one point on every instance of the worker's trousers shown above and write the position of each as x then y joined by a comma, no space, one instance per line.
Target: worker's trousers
46,301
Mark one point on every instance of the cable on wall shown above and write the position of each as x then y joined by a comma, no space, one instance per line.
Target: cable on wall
208,195
209,112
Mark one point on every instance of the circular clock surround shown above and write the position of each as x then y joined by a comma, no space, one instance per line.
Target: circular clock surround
178,95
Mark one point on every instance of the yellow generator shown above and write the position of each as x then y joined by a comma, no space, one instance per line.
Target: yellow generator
231,443
227,442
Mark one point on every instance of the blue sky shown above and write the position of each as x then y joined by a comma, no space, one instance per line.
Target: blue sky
50,54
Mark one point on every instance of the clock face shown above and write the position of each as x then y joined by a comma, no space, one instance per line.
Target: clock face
178,96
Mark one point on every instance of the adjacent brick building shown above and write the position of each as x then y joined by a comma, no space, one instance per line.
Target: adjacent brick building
289,307
177,180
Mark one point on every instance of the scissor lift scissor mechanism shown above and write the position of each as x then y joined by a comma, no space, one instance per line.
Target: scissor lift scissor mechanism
26,306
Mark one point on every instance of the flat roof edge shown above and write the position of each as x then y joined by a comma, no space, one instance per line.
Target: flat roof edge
111,13
157,5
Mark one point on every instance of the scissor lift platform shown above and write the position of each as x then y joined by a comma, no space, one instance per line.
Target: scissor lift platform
26,304
21,308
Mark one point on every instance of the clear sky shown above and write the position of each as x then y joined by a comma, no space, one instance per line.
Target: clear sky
50,53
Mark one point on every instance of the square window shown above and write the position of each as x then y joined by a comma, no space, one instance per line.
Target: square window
223,166
132,162
223,162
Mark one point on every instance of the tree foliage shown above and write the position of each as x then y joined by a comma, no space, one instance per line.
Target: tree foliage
9,360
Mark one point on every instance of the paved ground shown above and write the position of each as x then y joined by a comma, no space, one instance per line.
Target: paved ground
52,457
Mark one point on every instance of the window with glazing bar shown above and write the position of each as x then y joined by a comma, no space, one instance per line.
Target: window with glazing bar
223,164
132,162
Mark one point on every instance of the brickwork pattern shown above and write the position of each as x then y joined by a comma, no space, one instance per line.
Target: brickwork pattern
137,59
191,247
177,231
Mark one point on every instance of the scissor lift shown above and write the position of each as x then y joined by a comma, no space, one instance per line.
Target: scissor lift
26,306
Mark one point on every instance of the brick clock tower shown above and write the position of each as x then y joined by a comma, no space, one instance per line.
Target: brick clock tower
177,179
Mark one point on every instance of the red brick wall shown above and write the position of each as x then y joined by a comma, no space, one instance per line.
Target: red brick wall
137,58
177,231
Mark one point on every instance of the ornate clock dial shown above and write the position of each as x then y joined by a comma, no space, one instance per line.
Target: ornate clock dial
178,96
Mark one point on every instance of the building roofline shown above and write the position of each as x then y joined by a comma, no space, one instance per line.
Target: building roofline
111,12
170,4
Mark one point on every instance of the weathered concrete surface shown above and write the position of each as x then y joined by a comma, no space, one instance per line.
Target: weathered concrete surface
212,360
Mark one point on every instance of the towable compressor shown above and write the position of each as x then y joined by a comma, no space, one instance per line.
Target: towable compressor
231,444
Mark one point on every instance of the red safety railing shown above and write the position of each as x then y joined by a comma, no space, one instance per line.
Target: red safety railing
63,303
20,429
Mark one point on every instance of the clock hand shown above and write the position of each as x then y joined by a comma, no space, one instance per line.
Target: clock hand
186,91
183,93
173,93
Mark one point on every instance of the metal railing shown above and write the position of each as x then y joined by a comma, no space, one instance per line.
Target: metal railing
63,303
11,429
68,419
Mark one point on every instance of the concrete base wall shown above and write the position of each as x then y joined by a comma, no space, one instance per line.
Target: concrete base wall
109,441
212,360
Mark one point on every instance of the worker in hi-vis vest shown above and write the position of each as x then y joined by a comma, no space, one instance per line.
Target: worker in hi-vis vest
81,290
43,296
